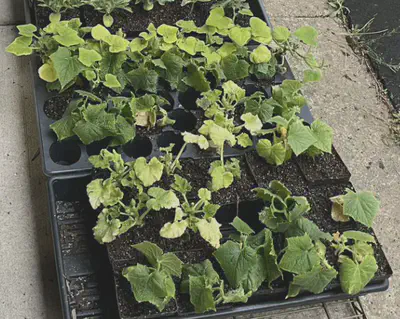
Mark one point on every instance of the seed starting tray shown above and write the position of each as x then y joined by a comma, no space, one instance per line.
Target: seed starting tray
91,284
71,155
89,274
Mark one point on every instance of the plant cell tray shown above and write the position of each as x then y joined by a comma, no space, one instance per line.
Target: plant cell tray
71,155
90,280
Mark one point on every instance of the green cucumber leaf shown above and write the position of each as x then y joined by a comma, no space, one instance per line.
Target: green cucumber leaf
153,286
218,19
67,66
174,230
112,81
361,206
199,140
308,35
143,79
221,178
300,137
196,78
273,154
355,276
323,133
48,73
171,264
67,37
152,252
300,255
242,265
314,281
235,68
96,124
201,294
20,46
27,30
304,226
359,236
181,185
270,259
281,34
241,226
264,109
169,33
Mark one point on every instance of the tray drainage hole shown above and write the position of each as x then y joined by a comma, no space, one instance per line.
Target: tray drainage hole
251,89
95,147
188,99
55,107
170,137
141,146
65,153
185,121
166,95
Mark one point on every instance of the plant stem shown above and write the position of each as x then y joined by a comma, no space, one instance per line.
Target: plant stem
122,204
143,216
173,165
222,155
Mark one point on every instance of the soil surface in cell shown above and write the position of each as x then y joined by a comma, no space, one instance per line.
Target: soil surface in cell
323,168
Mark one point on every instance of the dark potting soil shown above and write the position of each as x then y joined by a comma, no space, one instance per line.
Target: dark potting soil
120,249
42,15
139,19
130,308
321,207
55,107
324,168
288,173
196,171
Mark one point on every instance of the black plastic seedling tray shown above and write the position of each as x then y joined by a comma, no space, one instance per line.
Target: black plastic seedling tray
71,155
91,285
137,21
89,274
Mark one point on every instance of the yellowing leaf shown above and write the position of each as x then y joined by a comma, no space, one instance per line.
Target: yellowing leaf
88,57
174,230
112,81
148,173
169,33
260,31
241,36
100,33
48,73
209,230
261,55
20,46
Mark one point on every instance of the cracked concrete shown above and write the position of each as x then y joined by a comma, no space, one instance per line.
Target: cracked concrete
346,99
